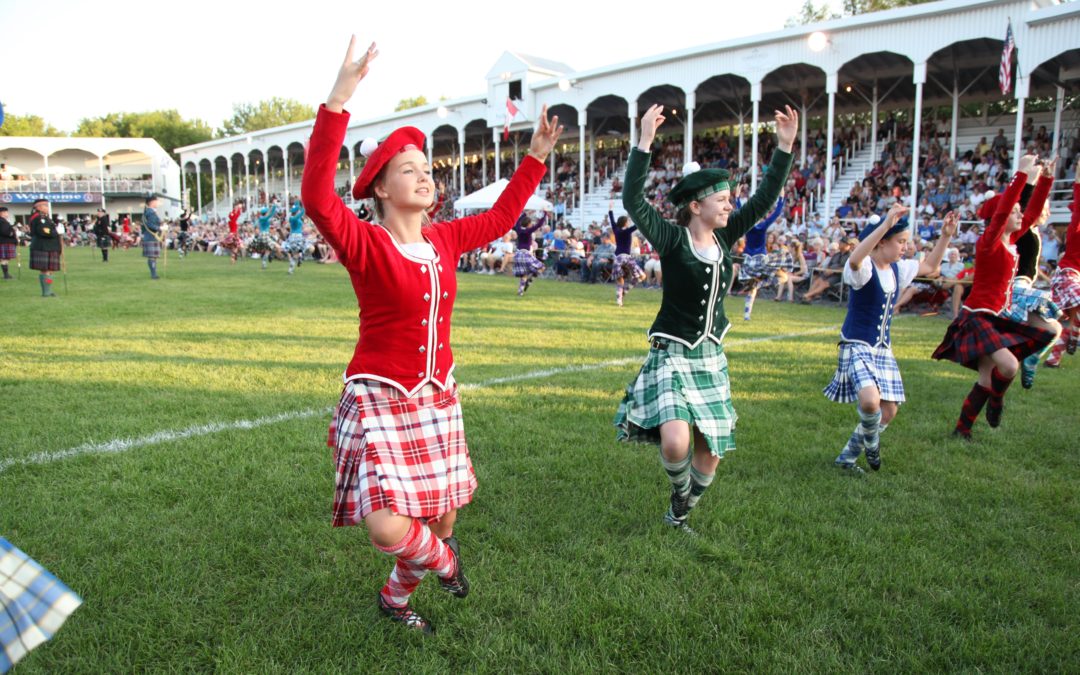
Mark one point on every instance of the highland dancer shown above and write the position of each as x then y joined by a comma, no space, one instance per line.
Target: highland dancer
1029,304
1065,283
867,373
403,468
526,266
755,267
295,245
981,338
625,269
262,244
681,398
232,242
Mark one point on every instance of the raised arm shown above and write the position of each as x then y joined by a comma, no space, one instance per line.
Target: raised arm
787,126
771,218
660,233
1004,207
1035,204
473,231
930,266
867,245
336,222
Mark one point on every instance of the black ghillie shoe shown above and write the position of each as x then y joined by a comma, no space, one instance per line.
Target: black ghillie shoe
457,585
680,505
406,617
678,524
873,457
852,469
993,414
962,435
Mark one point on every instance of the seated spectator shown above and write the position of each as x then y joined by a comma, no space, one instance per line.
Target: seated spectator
830,272
601,259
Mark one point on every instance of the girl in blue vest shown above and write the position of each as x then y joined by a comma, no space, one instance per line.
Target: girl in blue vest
867,372
262,243
755,266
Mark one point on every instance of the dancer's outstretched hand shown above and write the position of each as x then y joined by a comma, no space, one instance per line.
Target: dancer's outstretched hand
787,127
650,122
352,71
951,224
545,136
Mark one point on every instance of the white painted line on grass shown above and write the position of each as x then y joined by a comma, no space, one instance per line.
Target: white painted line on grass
125,444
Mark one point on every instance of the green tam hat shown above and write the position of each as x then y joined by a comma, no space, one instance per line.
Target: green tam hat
698,183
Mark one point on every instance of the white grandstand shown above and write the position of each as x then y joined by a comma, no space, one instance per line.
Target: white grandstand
77,175
930,57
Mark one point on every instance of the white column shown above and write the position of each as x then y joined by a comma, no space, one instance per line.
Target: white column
874,125
483,162
1022,85
831,82
266,174
632,113
1057,121
592,161
803,122
582,178
198,188
955,116
920,79
461,158
100,172
247,182
213,185
47,177
498,153
755,101
228,165
688,141
285,163
742,153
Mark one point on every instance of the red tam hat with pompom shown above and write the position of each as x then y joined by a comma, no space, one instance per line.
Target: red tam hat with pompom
379,154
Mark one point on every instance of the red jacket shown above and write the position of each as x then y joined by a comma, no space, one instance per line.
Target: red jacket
995,263
1071,259
405,303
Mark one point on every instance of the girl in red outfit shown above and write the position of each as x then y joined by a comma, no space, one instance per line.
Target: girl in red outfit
1065,283
232,242
403,468
981,338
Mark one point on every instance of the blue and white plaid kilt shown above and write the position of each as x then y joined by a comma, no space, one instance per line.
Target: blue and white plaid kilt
754,267
1065,285
295,243
526,263
625,268
1027,299
8,251
860,365
151,249
35,604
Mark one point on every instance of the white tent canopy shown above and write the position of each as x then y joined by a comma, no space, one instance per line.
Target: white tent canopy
485,197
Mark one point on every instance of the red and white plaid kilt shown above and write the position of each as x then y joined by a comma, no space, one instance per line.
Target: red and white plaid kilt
1065,286
405,454
44,261
7,251
232,242
974,334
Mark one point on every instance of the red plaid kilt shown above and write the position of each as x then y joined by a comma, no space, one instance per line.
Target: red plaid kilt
231,242
1065,286
7,251
974,334
405,454
44,261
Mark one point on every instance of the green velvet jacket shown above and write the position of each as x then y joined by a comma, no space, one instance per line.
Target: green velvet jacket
694,287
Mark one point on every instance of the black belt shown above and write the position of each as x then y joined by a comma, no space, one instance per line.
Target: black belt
657,343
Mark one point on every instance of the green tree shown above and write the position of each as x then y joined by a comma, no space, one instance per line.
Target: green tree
265,114
167,127
27,125
408,103
811,13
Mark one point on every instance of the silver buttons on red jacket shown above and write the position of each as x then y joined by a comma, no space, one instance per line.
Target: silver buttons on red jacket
427,297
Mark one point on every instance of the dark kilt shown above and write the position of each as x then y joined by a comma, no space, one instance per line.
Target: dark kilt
975,334
44,261
7,251
104,241
525,263
151,249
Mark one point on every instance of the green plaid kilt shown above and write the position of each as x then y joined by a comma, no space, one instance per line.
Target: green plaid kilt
679,383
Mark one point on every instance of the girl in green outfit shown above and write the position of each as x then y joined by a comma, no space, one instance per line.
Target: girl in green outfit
682,394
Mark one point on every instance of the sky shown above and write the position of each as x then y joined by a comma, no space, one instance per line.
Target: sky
67,60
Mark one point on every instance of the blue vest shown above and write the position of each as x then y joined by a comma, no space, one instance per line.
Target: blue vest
296,220
870,311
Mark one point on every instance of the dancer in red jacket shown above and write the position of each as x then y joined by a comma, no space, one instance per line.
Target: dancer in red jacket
403,468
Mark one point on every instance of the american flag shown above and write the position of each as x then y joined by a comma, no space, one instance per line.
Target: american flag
1005,71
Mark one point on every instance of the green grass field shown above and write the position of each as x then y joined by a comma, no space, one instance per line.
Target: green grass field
214,551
